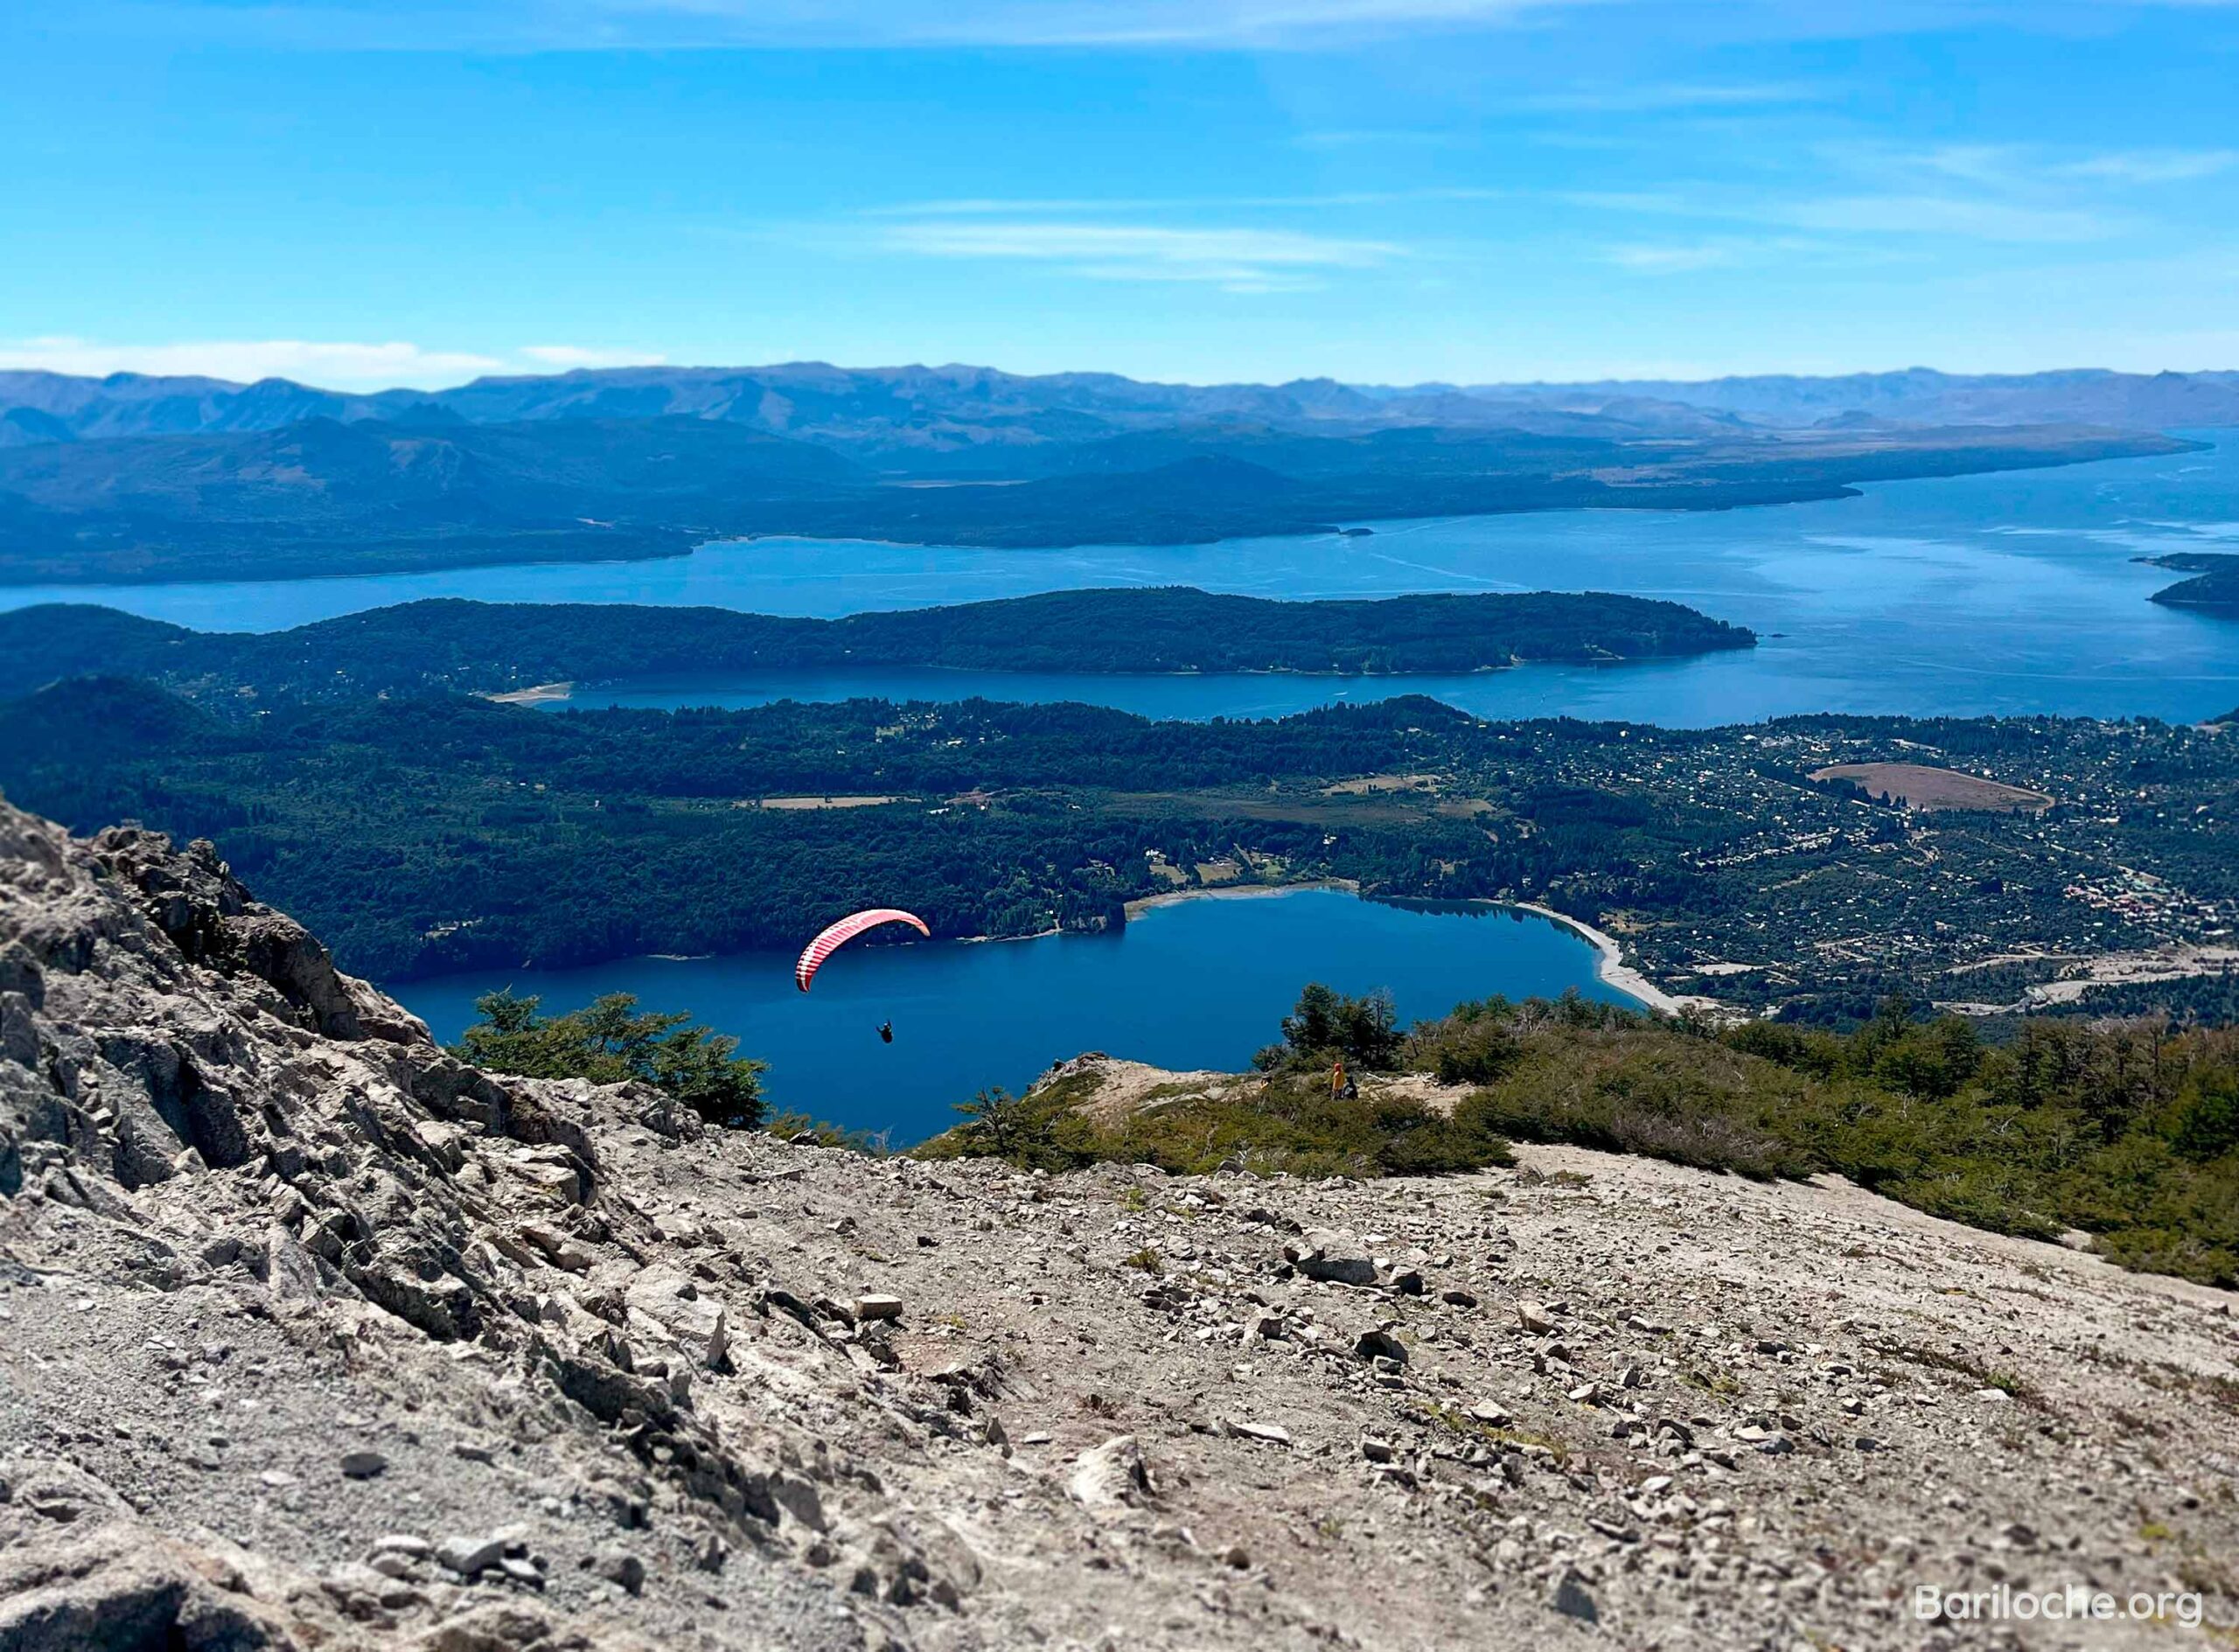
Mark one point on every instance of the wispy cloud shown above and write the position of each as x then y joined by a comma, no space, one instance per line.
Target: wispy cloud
607,25
1653,97
684,24
996,206
1667,258
2152,166
1240,260
1734,252
1960,216
1919,200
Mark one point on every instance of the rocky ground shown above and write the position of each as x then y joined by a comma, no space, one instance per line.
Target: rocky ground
312,1336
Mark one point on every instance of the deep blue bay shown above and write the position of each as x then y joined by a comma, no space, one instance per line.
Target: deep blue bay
1196,983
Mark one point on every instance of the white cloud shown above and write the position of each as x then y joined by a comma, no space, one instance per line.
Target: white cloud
1241,260
356,367
328,364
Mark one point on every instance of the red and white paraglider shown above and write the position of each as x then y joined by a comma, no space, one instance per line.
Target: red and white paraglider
834,937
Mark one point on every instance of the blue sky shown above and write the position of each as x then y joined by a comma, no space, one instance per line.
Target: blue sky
359,193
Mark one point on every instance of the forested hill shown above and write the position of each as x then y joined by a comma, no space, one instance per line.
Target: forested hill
478,647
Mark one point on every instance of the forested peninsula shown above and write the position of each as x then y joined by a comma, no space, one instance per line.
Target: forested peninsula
2213,587
497,648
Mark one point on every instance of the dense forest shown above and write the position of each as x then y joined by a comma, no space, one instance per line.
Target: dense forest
420,835
480,647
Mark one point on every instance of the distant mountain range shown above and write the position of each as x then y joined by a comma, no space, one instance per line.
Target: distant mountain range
131,478
324,497
911,413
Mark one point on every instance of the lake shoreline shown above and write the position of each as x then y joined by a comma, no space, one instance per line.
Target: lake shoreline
565,694
1609,966
1143,903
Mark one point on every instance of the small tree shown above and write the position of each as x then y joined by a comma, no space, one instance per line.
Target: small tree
610,1042
998,1122
1327,1024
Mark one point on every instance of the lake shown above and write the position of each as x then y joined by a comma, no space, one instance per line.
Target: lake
2002,593
1192,984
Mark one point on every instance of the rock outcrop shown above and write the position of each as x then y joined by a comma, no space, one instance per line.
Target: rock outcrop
311,1336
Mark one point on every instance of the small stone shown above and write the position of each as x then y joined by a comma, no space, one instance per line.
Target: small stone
1573,1601
469,1556
522,1572
1111,1476
473,1451
1407,1284
873,1306
1333,1256
1489,1414
1235,1555
1264,1325
1534,1317
1457,1299
625,1569
1269,1433
364,1465
399,1542
1380,1344
278,1478
1586,1393
1376,1451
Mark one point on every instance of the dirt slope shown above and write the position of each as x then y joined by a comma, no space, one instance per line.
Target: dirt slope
311,1337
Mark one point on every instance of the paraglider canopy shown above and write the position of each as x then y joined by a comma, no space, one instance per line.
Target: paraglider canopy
838,934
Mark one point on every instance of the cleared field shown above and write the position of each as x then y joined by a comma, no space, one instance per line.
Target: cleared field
826,802
1369,784
1225,803
1919,786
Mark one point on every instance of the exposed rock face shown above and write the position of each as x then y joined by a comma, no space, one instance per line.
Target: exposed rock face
311,1336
